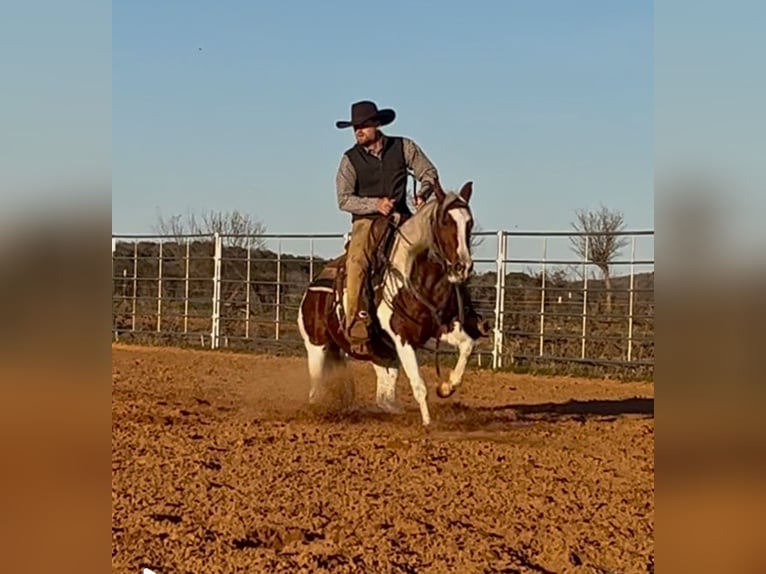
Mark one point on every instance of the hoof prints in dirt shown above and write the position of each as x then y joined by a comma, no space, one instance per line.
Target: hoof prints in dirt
275,539
166,518
552,476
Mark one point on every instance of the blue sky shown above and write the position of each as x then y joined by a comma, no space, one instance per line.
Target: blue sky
546,106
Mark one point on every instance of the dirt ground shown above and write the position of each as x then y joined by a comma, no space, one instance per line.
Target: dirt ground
219,465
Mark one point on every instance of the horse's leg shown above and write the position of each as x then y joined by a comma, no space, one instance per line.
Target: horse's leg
335,361
465,344
385,395
316,357
408,361
410,365
316,361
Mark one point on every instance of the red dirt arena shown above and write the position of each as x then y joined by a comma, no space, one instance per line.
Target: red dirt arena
220,465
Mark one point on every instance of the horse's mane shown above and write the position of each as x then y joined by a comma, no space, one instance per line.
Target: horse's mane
433,209
419,228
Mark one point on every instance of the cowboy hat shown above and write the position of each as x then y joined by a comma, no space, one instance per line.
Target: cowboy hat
366,111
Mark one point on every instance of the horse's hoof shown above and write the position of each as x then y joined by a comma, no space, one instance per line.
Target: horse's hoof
444,390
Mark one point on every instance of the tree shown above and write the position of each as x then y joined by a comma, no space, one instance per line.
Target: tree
239,231
477,240
601,244
222,222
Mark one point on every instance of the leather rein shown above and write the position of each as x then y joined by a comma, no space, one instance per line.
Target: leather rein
438,254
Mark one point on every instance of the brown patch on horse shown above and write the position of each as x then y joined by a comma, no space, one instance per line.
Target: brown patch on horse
415,323
325,330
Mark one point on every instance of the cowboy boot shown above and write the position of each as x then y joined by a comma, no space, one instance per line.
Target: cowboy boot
357,326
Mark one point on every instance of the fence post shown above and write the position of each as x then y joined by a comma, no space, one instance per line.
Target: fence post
186,287
497,347
216,319
630,303
115,331
247,289
159,289
311,259
585,294
279,290
542,298
135,285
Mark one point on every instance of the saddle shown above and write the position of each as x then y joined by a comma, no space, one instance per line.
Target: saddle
332,277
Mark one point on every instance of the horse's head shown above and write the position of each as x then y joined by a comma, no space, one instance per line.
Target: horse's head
452,225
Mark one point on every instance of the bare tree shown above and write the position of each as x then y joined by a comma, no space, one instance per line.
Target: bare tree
240,231
227,223
477,240
172,226
601,244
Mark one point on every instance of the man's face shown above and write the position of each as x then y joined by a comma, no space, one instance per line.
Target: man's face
366,133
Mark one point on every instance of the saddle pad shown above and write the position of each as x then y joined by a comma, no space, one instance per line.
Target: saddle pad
328,276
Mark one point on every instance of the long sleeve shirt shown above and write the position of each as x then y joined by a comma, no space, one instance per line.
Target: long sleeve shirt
345,180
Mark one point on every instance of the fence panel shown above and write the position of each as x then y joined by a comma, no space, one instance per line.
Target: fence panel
163,288
573,309
243,292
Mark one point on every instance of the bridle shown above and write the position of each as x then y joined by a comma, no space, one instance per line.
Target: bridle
438,254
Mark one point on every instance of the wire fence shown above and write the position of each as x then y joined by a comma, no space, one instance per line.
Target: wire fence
548,302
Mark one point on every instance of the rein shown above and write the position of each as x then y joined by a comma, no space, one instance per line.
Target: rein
435,311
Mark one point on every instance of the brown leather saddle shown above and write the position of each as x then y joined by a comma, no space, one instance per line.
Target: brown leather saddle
332,277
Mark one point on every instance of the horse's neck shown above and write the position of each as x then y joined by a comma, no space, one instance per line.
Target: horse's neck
413,238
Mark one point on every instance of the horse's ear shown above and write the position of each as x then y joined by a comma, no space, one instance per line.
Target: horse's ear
466,191
438,191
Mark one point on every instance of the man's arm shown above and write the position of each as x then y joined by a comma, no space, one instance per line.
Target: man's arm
345,182
418,162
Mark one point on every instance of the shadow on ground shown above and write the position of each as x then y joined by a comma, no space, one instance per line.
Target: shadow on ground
587,409
459,416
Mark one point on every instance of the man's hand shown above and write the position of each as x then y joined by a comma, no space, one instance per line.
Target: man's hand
419,201
385,205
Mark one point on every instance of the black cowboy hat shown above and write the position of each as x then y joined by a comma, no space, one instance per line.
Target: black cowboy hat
366,111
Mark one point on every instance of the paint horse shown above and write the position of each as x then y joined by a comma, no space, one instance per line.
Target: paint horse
417,290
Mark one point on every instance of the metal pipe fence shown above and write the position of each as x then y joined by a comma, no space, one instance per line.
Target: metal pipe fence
548,301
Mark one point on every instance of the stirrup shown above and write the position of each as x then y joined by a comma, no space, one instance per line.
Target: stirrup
359,338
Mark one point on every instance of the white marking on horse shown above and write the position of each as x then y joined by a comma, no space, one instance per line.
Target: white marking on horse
465,344
407,357
316,359
385,395
462,218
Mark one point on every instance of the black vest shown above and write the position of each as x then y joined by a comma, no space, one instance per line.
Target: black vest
385,177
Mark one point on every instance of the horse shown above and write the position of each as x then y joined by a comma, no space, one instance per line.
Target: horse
420,294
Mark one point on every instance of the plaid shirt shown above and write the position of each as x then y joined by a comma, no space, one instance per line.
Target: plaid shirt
345,180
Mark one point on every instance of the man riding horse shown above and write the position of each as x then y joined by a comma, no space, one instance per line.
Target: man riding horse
371,183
